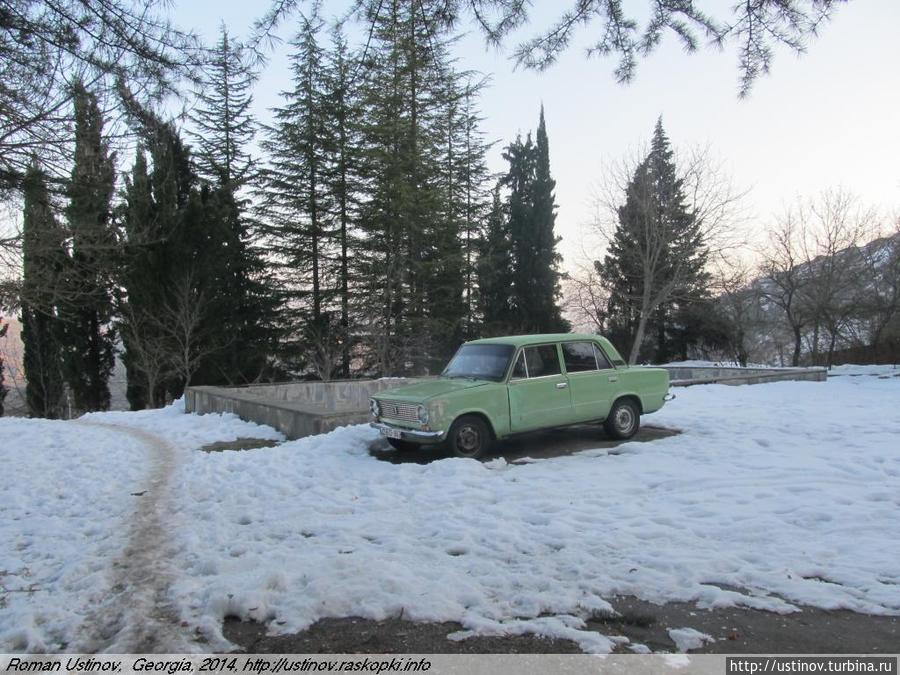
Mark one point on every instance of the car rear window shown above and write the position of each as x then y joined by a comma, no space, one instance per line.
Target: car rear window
542,361
579,356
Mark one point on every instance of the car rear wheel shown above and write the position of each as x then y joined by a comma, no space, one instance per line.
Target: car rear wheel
403,446
469,437
623,420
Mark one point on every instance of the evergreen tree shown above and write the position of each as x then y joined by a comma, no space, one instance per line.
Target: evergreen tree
494,271
174,278
406,225
144,250
341,108
296,203
655,263
542,240
224,128
474,197
223,125
43,266
89,352
532,217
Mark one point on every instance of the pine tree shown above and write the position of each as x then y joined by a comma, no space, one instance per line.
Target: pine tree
296,213
657,256
341,109
223,125
405,223
43,265
474,196
89,354
224,128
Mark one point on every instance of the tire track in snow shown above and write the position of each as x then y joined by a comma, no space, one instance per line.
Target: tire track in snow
136,614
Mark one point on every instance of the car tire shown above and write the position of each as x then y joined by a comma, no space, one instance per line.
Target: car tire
403,446
623,420
469,437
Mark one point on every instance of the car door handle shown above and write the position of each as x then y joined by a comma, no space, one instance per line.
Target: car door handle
562,385
613,378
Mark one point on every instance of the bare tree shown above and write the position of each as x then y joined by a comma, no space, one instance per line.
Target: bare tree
880,297
586,299
325,349
186,324
836,226
737,302
783,279
149,351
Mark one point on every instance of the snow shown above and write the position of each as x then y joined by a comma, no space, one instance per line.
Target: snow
774,496
686,639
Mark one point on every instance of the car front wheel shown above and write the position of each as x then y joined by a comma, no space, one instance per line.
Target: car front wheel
623,420
469,437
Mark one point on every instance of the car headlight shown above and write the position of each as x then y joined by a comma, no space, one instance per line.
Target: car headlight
422,414
374,407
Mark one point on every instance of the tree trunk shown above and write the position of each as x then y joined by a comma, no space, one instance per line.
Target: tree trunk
798,341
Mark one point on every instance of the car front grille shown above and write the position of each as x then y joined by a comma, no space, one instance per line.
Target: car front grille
399,411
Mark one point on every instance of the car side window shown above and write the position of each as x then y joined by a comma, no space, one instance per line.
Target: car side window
542,361
602,362
579,356
519,372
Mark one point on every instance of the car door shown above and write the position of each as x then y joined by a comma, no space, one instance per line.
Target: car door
593,381
538,390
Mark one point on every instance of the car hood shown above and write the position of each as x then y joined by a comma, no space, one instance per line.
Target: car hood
421,391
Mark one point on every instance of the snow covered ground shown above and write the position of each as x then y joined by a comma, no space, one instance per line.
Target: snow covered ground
774,496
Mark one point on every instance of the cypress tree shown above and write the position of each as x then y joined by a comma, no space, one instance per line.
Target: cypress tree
175,237
43,266
542,240
494,271
532,217
143,262
89,354
3,390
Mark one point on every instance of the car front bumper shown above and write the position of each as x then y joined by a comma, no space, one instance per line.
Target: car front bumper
411,435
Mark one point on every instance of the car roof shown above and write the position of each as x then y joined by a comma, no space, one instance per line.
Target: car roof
524,340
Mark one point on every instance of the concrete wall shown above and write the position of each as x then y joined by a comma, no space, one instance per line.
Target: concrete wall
299,409
685,376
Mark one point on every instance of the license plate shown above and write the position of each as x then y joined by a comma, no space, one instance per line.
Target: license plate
391,433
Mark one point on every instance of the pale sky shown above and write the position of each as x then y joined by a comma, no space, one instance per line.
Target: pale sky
826,119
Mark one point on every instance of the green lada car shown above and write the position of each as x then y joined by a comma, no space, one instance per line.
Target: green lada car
502,386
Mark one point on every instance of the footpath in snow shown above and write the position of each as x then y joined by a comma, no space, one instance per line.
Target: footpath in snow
773,497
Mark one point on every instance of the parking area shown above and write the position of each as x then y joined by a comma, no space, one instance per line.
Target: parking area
537,445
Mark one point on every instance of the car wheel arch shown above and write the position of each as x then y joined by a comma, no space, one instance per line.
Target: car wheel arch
632,397
479,414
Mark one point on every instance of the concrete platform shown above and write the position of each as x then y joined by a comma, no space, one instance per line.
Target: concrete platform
299,409
685,376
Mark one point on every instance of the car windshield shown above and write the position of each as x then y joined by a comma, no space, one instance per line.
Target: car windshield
482,362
